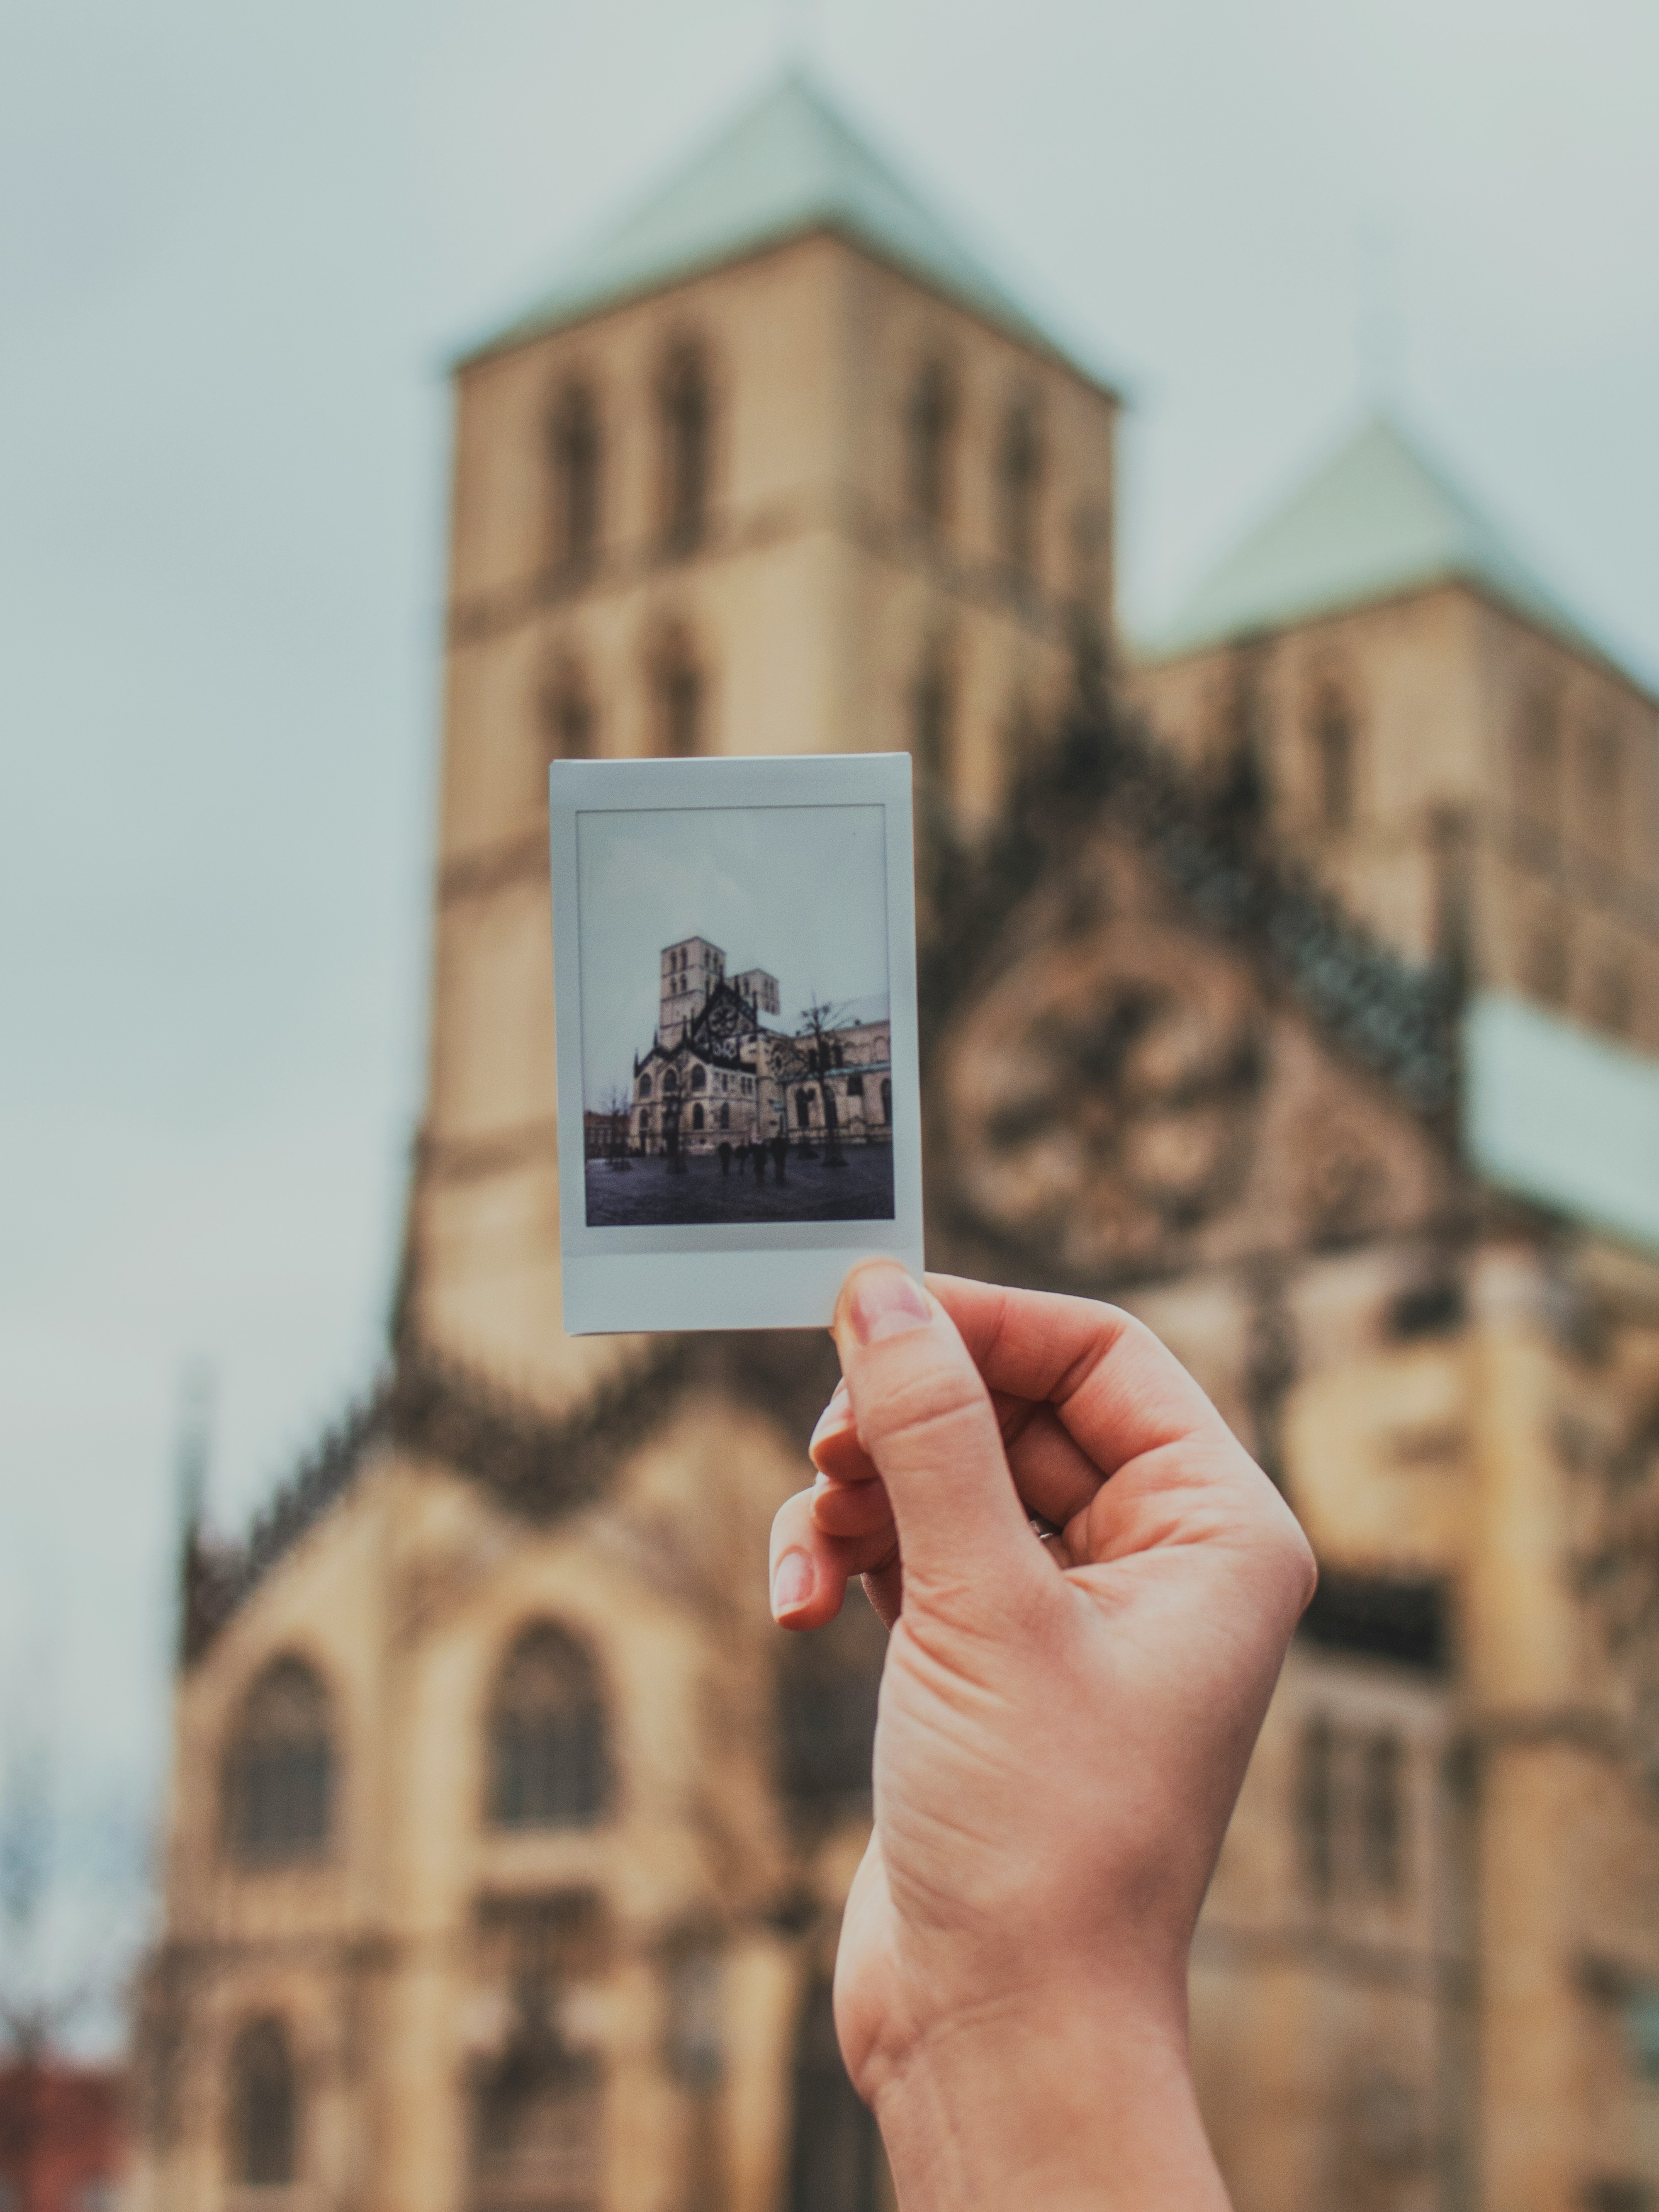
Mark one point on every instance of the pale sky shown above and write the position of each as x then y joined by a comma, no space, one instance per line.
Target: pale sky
799,890
237,245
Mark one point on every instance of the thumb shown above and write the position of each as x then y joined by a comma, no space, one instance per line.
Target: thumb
923,1414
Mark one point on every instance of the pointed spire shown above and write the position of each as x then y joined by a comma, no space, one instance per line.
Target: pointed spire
191,1449
788,164
1376,520
191,1463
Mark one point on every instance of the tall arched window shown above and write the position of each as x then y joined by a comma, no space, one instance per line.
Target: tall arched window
932,715
1538,763
687,436
567,714
278,1776
264,2107
1604,791
1333,759
1316,1807
574,442
550,1765
677,688
1019,485
1382,1814
837,2163
930,426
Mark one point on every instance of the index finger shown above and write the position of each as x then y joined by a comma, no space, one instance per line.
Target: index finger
1119,1392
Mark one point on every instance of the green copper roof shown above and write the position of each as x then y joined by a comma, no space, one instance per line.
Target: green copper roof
788,164
1376,520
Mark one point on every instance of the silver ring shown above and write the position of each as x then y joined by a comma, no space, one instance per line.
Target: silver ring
1044,1531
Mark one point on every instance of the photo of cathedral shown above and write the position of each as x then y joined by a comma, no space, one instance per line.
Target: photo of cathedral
720,1098
723,1110
508,1838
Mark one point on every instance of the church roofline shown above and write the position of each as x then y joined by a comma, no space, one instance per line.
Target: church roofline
788,166
1378,521
539,1466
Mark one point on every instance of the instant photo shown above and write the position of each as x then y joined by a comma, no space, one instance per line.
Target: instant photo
734,952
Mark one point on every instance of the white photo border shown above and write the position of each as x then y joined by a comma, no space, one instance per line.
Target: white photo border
754,1274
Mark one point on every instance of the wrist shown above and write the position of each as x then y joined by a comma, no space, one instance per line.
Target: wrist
1094,2107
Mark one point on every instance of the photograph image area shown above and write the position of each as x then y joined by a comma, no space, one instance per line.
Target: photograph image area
737,1062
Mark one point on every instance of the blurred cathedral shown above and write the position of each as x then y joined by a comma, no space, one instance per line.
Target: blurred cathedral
1294,982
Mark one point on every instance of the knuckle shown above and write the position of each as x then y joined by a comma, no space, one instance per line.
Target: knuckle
929,1406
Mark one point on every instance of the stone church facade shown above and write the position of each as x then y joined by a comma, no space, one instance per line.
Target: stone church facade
717,1072
508,1838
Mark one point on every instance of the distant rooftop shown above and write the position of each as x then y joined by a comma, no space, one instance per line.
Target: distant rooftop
1376,520
789,164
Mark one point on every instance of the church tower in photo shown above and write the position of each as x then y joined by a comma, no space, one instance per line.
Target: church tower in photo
1294,984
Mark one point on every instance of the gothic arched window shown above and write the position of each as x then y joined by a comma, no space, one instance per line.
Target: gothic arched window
278,1777
677,688
567,712
1603,784
264,2107
700,1079
1333,759
1383,1815
837,2163
697,1117
932,427
645,1086
550,1765
573,439
687,428
932,715
1538,763
1316,1807
1019,485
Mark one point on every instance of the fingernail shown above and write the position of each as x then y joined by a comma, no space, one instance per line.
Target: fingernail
792,1583
886,1303
836,1415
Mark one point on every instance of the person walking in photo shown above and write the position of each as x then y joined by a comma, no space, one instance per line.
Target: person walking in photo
780,1154
725,1157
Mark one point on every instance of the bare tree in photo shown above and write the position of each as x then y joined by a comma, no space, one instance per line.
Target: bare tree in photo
808,1057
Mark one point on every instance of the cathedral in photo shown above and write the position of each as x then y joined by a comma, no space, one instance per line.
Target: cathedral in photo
1290,978
715,1069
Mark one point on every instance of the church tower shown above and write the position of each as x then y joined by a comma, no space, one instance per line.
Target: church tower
1448,749
773,465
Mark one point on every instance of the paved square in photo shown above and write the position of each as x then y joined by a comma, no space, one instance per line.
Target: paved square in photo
646,1192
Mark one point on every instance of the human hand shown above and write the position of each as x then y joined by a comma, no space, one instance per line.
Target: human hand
1061,1739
